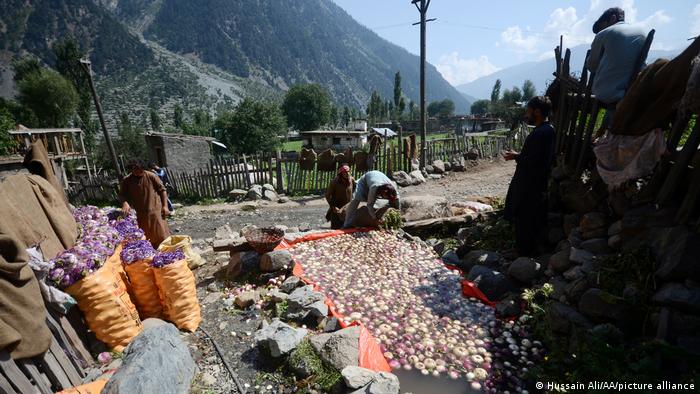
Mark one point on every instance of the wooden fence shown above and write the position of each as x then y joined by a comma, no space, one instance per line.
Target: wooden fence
98,188
64,365
283,171
675,182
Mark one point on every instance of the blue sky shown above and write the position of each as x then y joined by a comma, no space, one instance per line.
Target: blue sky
471,39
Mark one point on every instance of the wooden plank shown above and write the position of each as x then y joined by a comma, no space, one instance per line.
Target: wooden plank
5,386
586,143
678,170
74,375
41,382
55,373
72,324
77,353
15,375
246,174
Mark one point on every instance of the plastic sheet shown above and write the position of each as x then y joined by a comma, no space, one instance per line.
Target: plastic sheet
105,302
142,283
371,356
88,388
178,295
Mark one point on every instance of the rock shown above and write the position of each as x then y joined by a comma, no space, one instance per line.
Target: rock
279,337
283,200
592,222
631,294
155,359
574,273
563,318
291,283
472,154
282,227
435,176
270,195
340,349
580,256
276,261
332,325
277,296
424,207
600,304
246,299
317,342
247,228
417,177
509,306
492,283
555,235
439,247
229,301
224,232
451,258
677,249
571,221
255,193
480,257
237,195
177,205
208,379
384,383
305,303
559,284
458,164
356,377
301,367
402,178
615,242
429,169
525,270
559,262
575,237
213,287
153,322
615,228
438,167
269,187
679,296
241,263
448,166
575,289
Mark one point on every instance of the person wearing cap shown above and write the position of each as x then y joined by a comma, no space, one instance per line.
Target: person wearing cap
614,54
338,194
371,187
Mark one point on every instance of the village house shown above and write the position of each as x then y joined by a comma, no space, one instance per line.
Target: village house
62,145
179,152
475,124
337,140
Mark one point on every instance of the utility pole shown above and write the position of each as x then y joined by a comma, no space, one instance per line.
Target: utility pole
423,9
86,65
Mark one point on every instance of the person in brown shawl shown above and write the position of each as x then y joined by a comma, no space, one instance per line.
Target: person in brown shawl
338,194
144,192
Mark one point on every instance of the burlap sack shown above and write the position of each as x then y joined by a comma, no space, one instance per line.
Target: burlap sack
345,158
326,161
184,243
142,283
361,162
307,159
108,310
178,295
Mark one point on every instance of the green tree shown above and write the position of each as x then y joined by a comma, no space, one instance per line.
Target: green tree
480,107
25,67
131,142
442,108
334,117
399,103
7,123
49,96
253,126
307,107
178,117
375,108
496,91
202,124
412,110
529,90
67,63
345,119
155,120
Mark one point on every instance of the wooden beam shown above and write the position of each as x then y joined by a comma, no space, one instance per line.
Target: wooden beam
15,375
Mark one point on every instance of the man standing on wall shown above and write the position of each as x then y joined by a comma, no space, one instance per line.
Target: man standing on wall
526,202
143,191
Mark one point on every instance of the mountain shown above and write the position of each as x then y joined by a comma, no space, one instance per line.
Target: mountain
540,73
204,53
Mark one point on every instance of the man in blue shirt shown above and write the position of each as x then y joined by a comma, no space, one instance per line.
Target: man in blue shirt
614,53
526,202
371,187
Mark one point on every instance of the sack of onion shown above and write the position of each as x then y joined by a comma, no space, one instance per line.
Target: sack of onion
136,258
177,289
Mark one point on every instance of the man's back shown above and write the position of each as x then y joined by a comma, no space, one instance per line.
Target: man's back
620,46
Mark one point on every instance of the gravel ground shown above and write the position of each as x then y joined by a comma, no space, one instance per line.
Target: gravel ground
233,329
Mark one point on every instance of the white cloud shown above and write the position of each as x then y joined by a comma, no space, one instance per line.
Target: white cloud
695,27
457,70
653,21
513,37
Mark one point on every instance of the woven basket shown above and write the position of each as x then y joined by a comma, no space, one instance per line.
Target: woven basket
264,240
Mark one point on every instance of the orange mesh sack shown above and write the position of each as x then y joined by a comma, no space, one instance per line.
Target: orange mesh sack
178,295
108,310
143,287
88,388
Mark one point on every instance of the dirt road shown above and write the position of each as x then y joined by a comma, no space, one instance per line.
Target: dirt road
488,179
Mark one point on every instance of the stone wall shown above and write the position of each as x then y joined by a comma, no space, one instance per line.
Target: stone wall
181,154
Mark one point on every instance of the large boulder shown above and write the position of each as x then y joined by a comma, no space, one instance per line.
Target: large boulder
270,195
276,261
439,167
681,297
339,349
492,283
417,177
357,377
458,164
255,193
237,195
563,318
594,225
559,262
597,246
424,207
279,338
291,283
305,303
246,299
677,250
479,257
156,358
241,263
580,256
402,178
269,187
429,169
601,305
448,166
472,154
525,269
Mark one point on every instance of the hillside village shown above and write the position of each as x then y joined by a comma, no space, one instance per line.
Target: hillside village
191,205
